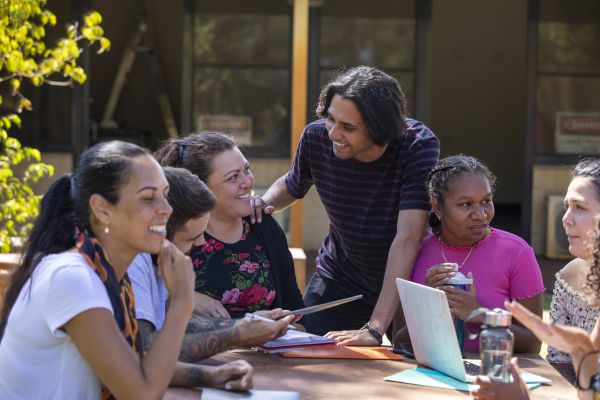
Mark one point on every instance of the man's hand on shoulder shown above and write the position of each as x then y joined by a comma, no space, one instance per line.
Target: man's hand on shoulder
259,207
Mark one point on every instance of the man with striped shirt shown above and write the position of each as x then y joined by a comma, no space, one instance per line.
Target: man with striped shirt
368,163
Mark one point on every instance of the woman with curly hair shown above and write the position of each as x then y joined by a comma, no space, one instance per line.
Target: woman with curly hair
575,298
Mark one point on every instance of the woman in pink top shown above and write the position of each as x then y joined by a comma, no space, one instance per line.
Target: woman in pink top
502,265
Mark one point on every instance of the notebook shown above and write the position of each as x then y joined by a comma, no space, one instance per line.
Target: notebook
345,352
431,331
294,340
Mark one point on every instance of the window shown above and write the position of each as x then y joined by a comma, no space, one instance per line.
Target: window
242,61
241,72
568,78
375,33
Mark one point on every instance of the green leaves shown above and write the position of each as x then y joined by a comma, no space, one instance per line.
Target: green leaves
25,56
19,205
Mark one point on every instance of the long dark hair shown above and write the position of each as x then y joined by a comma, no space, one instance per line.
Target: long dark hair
378,97
447,168
194,152
189,197
102,169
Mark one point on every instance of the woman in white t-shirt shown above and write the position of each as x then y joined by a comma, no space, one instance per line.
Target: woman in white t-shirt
68,328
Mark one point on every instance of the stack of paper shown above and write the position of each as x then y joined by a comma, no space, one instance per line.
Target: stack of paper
294,340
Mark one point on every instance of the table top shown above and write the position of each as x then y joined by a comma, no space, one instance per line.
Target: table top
363,379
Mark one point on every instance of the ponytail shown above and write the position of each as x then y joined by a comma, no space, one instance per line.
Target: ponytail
53,232
170,153
194,152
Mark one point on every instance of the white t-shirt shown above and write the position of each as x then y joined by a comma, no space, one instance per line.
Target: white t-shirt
149,290
37,359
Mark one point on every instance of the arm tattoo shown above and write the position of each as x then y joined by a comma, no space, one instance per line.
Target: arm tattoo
193,376
147,333
207,337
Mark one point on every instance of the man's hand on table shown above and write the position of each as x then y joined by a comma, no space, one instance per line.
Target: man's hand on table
256,332
234,375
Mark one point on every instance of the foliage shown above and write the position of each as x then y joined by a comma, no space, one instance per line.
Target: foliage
24,57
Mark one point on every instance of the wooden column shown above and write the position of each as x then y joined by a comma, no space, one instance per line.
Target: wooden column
299,96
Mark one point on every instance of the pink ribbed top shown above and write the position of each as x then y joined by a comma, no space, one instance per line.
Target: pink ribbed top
503,266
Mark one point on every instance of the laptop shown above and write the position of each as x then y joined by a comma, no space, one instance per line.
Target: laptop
431,331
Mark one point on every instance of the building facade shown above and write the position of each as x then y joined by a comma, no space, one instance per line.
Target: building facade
513,82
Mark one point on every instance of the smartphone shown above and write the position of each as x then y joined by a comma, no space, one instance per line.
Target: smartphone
404,349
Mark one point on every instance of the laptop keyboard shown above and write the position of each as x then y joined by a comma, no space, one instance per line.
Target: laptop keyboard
471,369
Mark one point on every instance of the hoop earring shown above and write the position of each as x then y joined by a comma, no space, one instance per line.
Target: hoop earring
106,230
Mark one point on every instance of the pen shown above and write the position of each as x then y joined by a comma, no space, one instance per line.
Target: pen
255,317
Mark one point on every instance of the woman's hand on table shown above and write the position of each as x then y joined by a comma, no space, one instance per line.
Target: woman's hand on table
206,306
439,274
234,375
494,390
462,302
358,337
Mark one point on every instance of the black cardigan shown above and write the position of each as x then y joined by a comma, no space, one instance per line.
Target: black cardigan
272,238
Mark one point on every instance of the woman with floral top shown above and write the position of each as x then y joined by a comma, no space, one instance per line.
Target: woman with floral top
574,302
242,267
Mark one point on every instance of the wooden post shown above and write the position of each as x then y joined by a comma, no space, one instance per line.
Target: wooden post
299,96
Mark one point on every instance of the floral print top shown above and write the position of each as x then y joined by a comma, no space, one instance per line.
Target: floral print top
239,274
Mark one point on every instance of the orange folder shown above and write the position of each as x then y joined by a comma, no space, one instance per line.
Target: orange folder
347,352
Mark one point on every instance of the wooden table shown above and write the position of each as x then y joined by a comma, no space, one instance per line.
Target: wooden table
363,379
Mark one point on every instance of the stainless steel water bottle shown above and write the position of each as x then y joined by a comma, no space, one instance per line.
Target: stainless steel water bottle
496,344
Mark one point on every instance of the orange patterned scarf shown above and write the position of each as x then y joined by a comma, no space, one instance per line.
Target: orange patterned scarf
119,293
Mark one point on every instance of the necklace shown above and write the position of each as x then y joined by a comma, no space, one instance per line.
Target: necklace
464,261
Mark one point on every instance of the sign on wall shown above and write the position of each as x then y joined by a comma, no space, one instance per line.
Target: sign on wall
577,132
237,125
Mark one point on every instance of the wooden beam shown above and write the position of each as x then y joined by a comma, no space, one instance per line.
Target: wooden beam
299,96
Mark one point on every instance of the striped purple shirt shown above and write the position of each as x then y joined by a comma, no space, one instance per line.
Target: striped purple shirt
363,200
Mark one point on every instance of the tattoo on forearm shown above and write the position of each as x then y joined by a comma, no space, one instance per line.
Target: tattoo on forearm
206,337
193,376
147,333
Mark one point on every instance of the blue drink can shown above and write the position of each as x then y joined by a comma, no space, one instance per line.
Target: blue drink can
460,281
